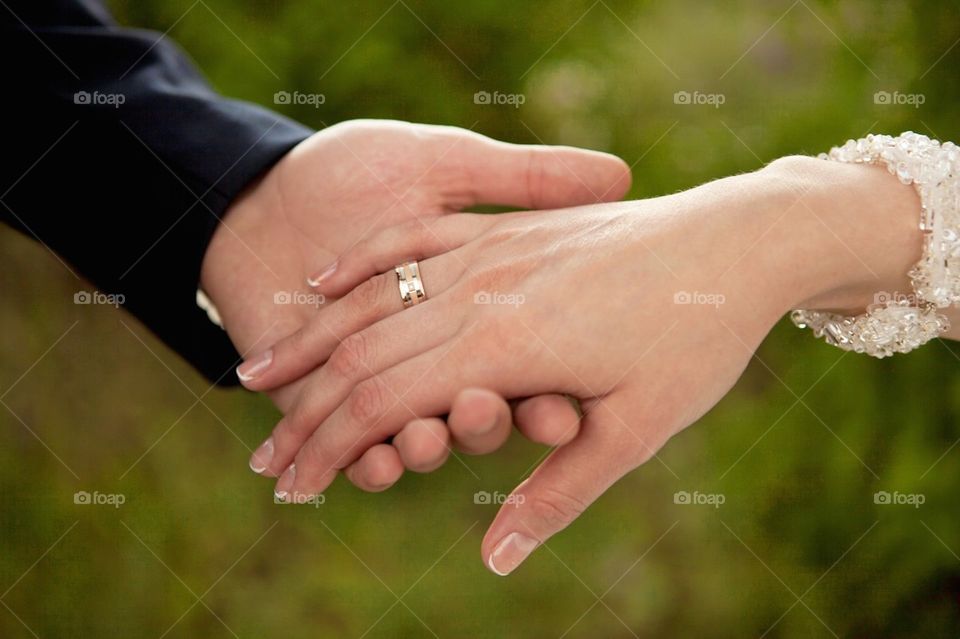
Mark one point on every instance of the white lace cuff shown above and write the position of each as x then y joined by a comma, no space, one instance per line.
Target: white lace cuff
902,324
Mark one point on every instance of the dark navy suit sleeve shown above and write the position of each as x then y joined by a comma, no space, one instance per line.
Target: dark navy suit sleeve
120,158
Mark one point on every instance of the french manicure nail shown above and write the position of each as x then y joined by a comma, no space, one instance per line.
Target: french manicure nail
510,553
285,483
262,457
323,275
255,366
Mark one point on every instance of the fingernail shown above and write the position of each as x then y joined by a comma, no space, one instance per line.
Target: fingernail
510,553
262,457
255,366
323,275
285,483
487,427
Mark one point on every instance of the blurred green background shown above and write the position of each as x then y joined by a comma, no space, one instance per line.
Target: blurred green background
799,547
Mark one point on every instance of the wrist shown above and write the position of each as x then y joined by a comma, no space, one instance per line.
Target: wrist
240,272
244,215
844,235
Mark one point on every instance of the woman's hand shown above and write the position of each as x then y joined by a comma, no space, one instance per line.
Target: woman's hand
646,311
347,182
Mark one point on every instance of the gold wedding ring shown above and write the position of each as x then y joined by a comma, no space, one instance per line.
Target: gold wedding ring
411,287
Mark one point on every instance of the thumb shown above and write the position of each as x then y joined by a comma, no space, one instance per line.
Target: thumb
561,488
538,176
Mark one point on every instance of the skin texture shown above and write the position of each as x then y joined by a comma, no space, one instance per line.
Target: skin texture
347,182
597,303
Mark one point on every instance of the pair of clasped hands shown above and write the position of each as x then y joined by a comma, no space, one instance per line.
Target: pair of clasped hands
572,298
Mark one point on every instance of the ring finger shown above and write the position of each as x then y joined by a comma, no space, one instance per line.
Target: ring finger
373,299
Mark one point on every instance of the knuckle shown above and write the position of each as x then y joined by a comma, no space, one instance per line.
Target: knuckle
294,343
366,402
287,432
535,170
311,455
349,360
298,421
557,509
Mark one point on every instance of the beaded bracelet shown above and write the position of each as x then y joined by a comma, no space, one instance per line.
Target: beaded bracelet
901,324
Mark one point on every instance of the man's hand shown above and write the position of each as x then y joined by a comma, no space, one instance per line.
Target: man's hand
341,186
